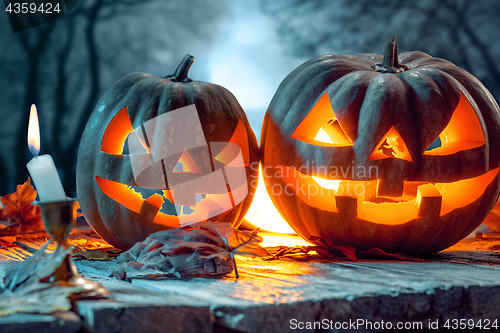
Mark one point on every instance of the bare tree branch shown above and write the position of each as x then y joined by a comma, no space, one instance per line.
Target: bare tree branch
70,61
32,93
61,89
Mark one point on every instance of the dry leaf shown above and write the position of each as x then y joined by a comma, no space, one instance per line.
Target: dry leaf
40,265
201,249
23,289
353,253
98,254
7,241
44,300
341,251
18,214
375,252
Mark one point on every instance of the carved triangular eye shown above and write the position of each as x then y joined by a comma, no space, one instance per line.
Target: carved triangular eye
116,133
230,156
321,127
240,138
391,145
186,164
463,132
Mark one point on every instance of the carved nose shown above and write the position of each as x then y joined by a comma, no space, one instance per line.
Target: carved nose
391,145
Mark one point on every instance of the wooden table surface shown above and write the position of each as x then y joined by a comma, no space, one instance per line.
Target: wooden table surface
290,293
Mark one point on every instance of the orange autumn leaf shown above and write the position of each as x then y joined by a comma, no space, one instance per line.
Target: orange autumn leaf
19,215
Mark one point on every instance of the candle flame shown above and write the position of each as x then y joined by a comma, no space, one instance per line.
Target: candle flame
34,132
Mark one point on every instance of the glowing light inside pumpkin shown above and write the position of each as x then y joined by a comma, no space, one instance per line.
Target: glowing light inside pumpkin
186,164
464,131
329,131
327,183
418,198
198,188
116,133
322,136
391,145
34,131
395,144
262,212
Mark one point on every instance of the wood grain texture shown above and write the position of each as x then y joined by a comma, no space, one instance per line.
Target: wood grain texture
458,283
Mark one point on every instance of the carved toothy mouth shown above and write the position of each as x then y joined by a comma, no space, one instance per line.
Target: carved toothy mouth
208,205
359,198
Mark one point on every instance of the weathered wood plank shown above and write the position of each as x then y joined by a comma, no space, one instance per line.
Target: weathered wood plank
172,315
61,322
133,308
271,296
268,295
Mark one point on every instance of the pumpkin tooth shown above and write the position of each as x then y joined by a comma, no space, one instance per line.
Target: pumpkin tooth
429,201
347,206
149,208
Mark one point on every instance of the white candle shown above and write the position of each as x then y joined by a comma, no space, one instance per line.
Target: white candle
42,168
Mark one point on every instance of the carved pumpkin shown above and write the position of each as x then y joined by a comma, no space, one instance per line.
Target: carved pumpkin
400,153
164,152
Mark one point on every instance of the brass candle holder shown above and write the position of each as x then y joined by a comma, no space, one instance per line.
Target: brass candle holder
58,219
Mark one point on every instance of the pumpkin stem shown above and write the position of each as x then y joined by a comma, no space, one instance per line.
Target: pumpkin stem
182,70
390,62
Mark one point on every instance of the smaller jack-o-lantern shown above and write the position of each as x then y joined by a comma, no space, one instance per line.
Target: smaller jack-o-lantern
396,152
164,152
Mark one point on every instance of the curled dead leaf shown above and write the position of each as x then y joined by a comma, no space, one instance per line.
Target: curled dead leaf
329,251
25,288
201,249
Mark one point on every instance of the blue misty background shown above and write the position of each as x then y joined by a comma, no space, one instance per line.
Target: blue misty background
65,66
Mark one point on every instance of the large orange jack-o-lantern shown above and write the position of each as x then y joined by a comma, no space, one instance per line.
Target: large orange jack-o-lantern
163,152
400,153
